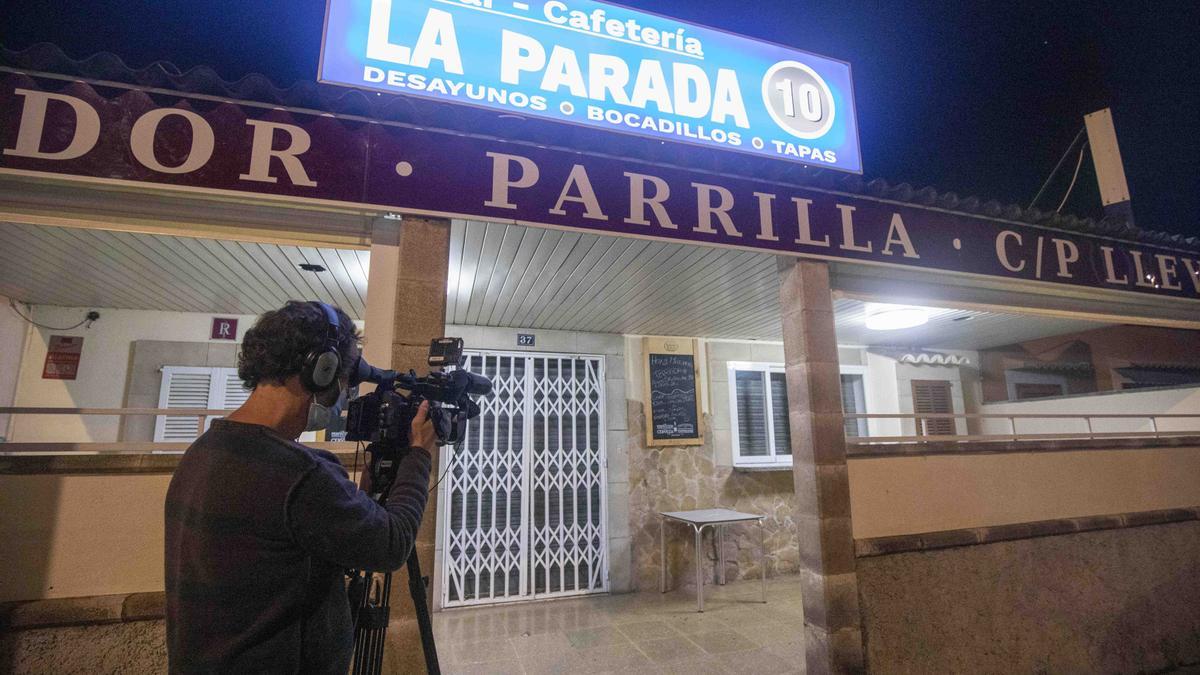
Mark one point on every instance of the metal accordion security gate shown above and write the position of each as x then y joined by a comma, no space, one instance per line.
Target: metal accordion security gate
525,498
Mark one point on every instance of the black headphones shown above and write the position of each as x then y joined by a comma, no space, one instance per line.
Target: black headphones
321,366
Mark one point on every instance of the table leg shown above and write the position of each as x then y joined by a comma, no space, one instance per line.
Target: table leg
699,571
762,557
721,552
662,551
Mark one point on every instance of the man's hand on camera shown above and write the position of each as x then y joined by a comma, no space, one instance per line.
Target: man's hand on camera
423,434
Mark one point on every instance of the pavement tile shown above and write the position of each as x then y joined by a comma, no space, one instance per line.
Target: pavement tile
540,644
773,633
704,666
630,634
496,668
760,660
722,641
595,637
614,657
647,630
484,651
670,649
693,623
792,651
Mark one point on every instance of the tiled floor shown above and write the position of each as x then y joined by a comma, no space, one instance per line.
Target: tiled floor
637,633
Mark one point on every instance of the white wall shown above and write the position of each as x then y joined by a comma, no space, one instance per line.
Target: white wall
103,367
883,396
889,389
1161,401
13,331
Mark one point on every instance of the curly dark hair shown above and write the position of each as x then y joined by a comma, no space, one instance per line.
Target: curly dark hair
274,349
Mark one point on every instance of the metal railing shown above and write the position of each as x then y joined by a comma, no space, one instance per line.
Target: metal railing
922,423
122,447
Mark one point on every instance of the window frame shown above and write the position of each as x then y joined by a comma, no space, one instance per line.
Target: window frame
864,425
774,459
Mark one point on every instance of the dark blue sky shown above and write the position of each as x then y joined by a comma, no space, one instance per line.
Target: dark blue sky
976,97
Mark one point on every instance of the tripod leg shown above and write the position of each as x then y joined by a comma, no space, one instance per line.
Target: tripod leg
371,625
360,630
416,586
381,637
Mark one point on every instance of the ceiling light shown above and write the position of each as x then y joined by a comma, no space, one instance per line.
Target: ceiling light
895,317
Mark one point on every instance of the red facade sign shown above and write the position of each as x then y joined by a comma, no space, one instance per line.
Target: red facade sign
224,329
338,159
62,359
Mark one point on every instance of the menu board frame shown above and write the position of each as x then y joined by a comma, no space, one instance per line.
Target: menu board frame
673,347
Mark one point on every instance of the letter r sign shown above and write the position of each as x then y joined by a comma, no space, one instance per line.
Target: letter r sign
224,329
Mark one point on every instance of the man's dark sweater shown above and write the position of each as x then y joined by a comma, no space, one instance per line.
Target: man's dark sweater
259,532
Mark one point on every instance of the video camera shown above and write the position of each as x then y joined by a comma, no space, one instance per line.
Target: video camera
384,416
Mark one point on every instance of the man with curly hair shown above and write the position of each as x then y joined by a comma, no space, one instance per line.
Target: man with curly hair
260,529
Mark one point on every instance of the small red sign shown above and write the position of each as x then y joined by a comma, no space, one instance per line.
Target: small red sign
224,329
62,359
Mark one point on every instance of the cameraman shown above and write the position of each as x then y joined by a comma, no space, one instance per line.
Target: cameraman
260,529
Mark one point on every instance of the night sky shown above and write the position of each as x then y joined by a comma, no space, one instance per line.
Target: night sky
981,98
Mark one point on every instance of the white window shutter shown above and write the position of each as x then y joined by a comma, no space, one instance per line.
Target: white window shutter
197,388
182,388
234,394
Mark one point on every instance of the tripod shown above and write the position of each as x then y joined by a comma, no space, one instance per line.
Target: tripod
370,593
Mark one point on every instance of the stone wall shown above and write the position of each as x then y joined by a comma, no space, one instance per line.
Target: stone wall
702,476
1118,600
114,649
119,634
682,478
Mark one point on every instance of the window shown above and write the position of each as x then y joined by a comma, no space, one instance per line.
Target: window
198,388
854,400
758,411
933,397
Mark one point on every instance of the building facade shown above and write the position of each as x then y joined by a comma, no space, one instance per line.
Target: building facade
1021,454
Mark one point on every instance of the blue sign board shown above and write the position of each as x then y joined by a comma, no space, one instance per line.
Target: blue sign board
603,66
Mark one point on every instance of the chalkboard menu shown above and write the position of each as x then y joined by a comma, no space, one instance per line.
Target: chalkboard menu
672,393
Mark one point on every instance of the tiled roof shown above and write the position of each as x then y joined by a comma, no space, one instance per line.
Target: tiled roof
427,113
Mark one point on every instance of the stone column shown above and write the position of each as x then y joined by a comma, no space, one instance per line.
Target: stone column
381,293
832,627
422,265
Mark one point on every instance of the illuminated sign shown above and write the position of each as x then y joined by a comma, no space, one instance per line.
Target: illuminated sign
603,66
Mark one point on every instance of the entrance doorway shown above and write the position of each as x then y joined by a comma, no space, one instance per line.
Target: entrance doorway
525,496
